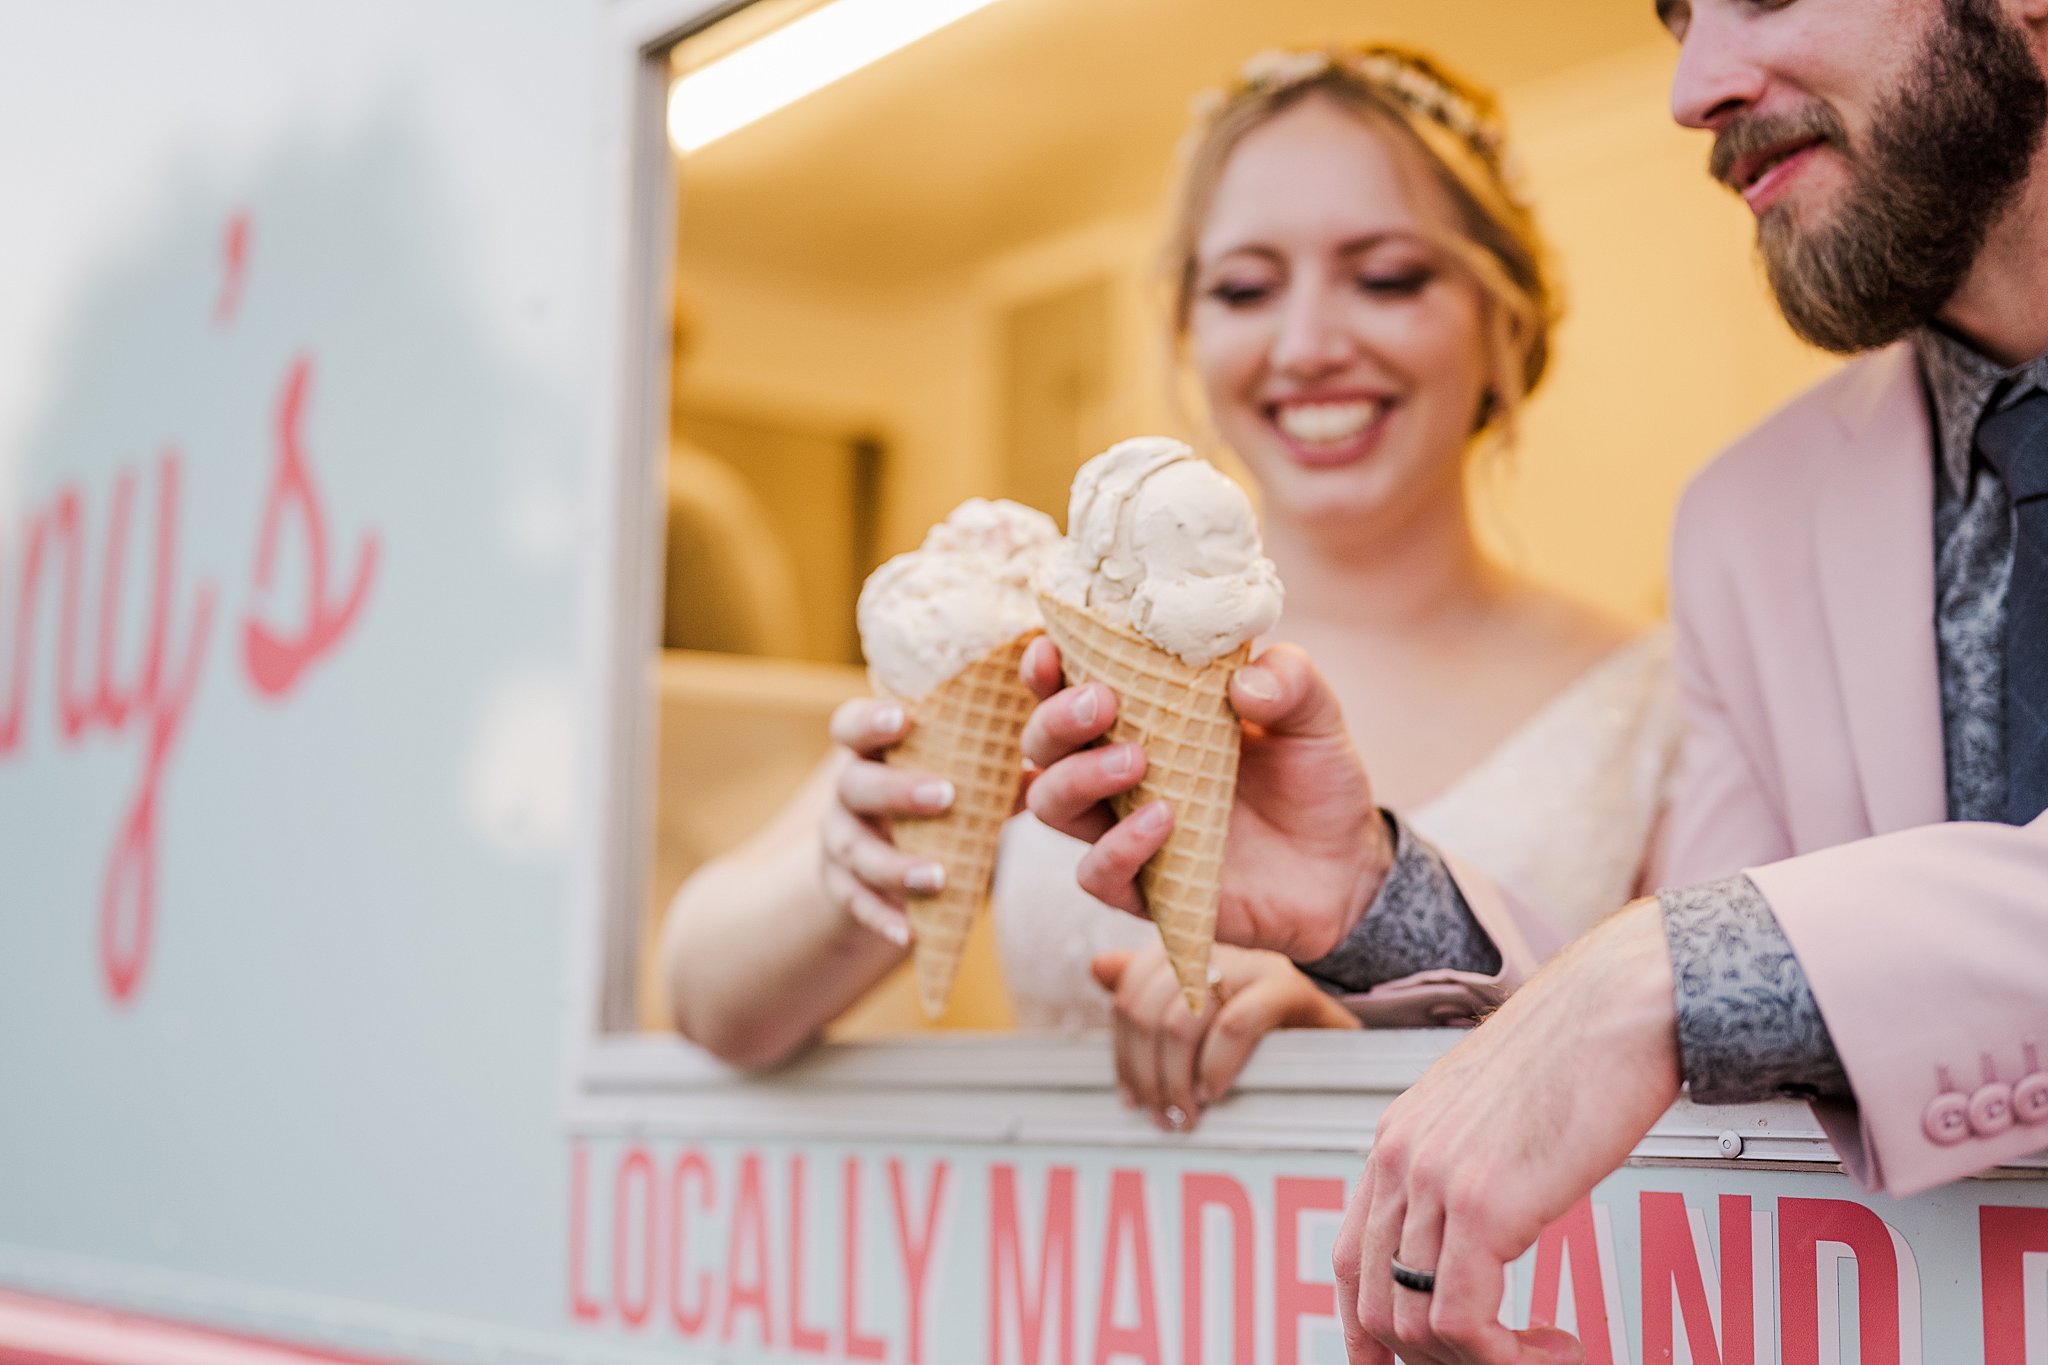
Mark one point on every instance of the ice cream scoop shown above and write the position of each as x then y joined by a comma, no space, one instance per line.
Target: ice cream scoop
966,590
996,529
1162,541
1157,593
944,628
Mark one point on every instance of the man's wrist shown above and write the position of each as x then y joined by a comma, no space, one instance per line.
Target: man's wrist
1646,996
1381,847
1414,919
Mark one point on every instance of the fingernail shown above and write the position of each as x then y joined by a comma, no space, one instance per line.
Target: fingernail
929,878
933,796
1153,818
1258,684
897,933
889,718
1122,761
1202,1096
1549,1343
1087,707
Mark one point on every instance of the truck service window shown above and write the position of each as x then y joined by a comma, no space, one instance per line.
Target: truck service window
919,260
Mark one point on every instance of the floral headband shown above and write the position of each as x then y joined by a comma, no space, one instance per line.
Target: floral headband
1408,78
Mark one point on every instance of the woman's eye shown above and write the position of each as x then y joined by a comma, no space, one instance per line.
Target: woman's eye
1397,286
1232,295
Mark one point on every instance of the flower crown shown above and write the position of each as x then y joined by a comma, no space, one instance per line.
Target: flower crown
1408,78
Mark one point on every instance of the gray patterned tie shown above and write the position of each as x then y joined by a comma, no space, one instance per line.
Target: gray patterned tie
2015,444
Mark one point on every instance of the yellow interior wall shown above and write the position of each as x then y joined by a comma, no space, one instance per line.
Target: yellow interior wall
1670,346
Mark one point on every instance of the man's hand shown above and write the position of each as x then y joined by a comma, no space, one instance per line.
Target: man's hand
1307,849
1504,1135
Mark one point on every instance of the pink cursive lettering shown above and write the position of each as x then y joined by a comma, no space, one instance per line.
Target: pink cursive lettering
276,658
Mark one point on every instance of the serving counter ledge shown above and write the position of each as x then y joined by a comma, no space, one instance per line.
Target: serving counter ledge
1304,1091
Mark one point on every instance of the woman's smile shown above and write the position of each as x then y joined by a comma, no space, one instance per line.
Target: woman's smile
1330,429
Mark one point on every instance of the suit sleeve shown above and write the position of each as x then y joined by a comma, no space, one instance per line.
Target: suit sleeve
1927,951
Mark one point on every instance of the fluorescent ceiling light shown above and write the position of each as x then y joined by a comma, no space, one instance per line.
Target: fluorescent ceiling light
796,60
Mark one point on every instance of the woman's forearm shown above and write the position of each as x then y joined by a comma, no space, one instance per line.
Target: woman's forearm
756,958
758,962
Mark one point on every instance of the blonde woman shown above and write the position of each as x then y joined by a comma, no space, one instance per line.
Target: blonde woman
1359,294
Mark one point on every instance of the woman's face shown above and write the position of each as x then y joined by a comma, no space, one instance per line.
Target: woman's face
1341,353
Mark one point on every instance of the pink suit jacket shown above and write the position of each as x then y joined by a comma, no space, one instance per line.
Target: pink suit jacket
1802,589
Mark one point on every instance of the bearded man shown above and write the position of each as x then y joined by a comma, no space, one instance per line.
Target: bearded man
1860,592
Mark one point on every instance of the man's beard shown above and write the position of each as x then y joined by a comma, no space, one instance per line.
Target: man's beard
1948,152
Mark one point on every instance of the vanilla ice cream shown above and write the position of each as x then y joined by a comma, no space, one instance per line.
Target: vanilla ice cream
927,614
1161,540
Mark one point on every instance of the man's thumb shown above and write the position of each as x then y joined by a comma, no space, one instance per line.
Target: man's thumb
1286,694
1108,969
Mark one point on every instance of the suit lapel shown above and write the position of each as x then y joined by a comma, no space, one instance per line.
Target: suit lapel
1875,536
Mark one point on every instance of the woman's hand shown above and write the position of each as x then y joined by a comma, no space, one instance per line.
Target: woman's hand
1176,1064
865,874
1307,849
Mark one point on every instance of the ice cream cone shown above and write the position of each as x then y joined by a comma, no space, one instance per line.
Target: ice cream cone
967,730
1180,714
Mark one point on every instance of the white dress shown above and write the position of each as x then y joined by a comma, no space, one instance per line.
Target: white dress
1563,811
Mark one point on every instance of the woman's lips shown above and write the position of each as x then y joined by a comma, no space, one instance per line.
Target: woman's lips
1768,188
1330,431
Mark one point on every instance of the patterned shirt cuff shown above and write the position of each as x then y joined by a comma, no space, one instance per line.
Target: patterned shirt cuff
1748,1026
1418,922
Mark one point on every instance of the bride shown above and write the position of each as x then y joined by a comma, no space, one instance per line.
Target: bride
1359,293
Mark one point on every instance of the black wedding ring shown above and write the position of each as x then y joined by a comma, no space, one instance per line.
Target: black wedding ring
1421,1281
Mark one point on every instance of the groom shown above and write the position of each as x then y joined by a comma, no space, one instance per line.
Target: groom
1860,592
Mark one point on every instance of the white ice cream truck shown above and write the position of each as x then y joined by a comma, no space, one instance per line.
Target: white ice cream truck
352,733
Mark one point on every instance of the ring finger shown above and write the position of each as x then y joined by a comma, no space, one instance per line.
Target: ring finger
1418,1248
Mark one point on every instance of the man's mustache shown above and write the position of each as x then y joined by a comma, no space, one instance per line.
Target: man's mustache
1743,137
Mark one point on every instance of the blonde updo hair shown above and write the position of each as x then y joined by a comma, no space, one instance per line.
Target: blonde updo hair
1454,130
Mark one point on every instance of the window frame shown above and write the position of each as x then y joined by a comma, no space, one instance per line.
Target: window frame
1303,1092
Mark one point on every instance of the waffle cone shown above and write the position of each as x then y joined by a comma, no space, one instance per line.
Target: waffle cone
1180,715
969,731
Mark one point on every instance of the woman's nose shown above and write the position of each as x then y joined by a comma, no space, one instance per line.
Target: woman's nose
1312,338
